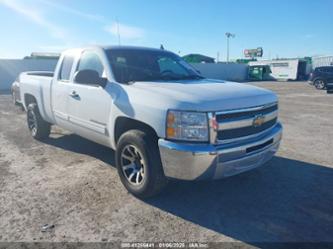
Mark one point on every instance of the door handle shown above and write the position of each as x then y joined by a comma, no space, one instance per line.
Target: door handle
74,94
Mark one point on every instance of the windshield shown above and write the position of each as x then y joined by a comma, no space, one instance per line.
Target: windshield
130,65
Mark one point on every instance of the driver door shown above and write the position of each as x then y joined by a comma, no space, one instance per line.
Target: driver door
89,105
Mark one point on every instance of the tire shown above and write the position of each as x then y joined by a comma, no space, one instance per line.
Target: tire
149,178
38,127
320,84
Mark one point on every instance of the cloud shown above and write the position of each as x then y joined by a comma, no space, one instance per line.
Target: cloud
36,17
125,31
34,14
64,8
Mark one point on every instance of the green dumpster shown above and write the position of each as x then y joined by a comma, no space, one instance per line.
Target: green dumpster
258,73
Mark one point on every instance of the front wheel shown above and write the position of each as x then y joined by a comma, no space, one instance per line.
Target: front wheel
139,164
38,127
319,84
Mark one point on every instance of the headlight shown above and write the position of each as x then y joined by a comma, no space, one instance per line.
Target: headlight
187,126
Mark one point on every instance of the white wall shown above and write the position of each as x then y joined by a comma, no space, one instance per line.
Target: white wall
10,69
223,71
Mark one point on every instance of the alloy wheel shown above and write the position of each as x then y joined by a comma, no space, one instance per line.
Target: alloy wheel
133,165
32,122
320,84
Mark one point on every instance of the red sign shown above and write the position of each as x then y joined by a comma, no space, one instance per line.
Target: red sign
252,53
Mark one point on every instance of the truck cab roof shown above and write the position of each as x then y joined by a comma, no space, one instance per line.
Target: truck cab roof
112,47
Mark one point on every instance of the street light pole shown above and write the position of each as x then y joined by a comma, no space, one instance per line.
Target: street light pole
228,35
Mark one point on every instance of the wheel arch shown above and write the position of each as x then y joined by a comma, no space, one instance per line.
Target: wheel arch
28,99
124,124
37,98
319,78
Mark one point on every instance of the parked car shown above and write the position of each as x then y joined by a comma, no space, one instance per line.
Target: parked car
15,91
321,76
162,118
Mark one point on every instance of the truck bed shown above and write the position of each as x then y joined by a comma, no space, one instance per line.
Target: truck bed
40,73
38,84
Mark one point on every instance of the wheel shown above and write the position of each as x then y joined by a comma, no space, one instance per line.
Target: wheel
319,84
38,127
139,164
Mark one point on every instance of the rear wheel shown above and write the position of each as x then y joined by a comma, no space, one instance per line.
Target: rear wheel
319,84
38,127
139,164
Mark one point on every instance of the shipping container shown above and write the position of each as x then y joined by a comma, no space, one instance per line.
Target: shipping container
289,69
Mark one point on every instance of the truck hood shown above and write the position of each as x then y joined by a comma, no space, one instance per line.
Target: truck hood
204,95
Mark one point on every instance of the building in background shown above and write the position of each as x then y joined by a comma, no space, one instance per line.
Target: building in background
322,61
284,69
43,55
198,58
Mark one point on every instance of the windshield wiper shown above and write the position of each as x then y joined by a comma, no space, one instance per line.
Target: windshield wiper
192,77
168,78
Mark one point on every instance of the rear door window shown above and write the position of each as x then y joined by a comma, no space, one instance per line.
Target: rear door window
66,68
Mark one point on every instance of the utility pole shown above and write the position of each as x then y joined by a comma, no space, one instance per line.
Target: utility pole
228,35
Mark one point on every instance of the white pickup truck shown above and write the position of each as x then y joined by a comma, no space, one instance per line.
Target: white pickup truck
163,119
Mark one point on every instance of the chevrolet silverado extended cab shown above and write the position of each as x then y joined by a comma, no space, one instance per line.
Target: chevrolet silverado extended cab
163,119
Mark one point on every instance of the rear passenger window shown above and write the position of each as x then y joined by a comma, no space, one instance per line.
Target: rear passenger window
66,68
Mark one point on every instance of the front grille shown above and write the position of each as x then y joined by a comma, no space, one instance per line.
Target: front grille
249,129
245,131
244,114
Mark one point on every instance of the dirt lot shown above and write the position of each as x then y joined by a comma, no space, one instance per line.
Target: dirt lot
72,183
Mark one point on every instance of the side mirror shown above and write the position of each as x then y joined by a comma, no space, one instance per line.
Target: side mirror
89,77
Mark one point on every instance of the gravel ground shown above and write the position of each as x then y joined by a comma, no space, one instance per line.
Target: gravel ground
72,183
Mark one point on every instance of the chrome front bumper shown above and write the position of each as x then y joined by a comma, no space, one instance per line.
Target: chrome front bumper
206,161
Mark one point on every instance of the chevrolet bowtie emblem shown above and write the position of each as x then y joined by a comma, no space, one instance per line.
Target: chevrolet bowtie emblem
258,120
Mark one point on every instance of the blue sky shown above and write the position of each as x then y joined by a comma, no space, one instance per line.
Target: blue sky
284,28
